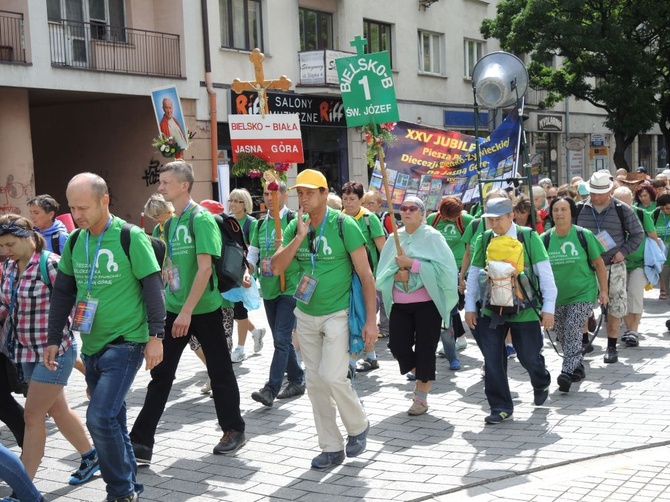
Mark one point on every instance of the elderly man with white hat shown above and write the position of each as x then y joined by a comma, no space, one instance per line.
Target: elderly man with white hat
618,229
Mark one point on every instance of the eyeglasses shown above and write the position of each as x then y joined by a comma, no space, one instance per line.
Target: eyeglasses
411,209
234,200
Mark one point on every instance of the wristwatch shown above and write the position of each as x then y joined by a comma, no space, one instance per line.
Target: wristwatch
160,336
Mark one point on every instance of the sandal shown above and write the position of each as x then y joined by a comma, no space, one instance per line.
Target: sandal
663,295
367,364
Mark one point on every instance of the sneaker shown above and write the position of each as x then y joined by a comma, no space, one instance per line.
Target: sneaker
511,351
143,454
461,343
133,497
291,390
258,335
263,396
455,365
632,340
611,355
540,396
411,376
564,382
356,444
230,442
238,355
498,417
207,388
87,468
327,459
417,408
367,364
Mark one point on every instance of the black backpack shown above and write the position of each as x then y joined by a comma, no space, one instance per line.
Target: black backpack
156,244
230,266
55,242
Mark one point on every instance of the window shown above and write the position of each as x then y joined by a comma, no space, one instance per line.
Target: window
107,18
430,52
378,36
474,51
241,24
316,30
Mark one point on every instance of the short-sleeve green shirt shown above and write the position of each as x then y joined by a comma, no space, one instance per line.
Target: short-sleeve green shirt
183,248
451,234
574,279
333,267
636,258
263,237
116,284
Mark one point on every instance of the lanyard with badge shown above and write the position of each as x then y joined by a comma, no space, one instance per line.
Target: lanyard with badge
308,282
171,272
603,235
266,262
84,312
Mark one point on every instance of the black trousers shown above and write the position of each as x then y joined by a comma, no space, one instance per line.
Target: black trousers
208,329
11,412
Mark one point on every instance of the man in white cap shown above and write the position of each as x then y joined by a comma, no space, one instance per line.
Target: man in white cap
328,248
490,328
618,229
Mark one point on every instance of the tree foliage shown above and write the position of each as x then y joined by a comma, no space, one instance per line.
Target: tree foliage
608,55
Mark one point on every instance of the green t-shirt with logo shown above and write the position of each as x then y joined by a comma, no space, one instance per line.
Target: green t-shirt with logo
183,248
451,234
662,226
116,284
333,267
371,227
538,253
575,280
636,258
263,237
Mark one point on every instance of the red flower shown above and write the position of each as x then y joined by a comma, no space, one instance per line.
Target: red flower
255,173
273,187
282,167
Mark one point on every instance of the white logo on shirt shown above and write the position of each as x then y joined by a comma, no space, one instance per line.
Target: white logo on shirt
323,245
112,266
184,230
573,251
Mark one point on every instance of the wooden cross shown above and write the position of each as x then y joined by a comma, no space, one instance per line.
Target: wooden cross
260,85
359,43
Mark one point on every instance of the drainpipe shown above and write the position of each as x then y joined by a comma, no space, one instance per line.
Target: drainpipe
210,91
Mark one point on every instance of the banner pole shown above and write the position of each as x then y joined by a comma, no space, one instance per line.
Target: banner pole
387,191
278,236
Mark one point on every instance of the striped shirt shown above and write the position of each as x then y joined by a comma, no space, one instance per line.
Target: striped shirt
31,313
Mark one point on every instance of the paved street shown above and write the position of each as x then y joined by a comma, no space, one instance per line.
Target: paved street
605,440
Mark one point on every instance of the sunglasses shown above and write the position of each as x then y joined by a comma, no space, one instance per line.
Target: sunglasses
411,209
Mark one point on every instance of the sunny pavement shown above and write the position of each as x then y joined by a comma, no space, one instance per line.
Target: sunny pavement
607,439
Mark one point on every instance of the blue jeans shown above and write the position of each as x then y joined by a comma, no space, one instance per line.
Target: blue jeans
13,472
281,318
109,375
527,339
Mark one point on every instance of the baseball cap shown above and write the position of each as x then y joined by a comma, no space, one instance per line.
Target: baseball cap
212,206
600,182
642,169
310,178
498,207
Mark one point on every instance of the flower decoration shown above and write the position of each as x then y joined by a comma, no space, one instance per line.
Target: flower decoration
377,136
167,146
270,173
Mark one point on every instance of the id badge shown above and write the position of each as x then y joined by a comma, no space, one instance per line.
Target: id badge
606,240
84,314
266,267
305,289
173,279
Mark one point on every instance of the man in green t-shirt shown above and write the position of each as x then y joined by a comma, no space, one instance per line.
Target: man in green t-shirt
371,226
193,305
279,302
489,328
326,262
120,312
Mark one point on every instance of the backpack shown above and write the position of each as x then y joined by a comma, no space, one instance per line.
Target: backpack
156,244
580,238
522,289
44,273
247,226
230,266
55,242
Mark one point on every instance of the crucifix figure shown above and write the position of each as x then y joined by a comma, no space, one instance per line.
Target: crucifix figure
260,85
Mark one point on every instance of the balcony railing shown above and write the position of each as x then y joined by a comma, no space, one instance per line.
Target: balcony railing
12,40
97,46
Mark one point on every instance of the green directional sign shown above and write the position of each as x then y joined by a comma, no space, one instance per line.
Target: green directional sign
367,87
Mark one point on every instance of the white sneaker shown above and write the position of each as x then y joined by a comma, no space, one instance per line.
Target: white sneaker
461,342
207,388
258,334
238,355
